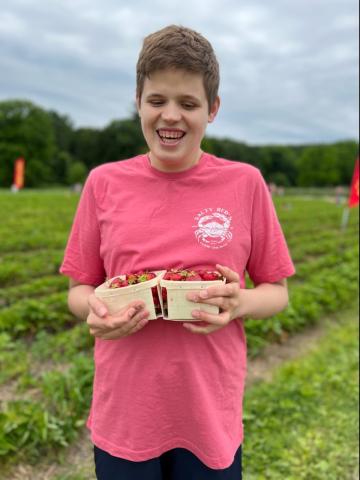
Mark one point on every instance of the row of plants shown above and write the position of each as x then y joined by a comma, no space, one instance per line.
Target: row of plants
21,360
331,260
35,220
304,424
18,268
327,291
33,288
31,428
30,315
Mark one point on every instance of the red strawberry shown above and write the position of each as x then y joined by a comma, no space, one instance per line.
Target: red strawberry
116,283
200,272
164,299
132,279
172,275
208,275
193,277
155,295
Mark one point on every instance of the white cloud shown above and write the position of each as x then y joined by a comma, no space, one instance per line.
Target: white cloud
288,69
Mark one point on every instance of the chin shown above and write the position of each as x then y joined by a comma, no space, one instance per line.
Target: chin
171,158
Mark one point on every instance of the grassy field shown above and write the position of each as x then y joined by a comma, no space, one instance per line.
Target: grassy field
46,355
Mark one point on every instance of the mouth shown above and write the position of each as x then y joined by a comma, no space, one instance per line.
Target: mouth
170,136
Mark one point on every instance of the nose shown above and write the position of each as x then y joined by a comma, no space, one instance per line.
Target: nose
171,113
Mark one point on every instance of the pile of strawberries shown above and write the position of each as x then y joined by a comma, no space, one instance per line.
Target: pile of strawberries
182,275
187,276
192,275
131,279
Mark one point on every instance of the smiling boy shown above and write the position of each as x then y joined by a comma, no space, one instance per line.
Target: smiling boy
174,113
167,396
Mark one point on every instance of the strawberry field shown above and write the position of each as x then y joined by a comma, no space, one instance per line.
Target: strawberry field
46,354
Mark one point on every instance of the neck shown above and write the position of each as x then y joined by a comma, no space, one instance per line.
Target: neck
171,167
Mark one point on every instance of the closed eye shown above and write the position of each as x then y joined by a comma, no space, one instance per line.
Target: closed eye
189,106
156,103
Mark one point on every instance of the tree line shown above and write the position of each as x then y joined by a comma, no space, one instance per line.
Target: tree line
56,153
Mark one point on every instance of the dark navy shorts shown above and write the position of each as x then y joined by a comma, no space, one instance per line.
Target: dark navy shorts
176,464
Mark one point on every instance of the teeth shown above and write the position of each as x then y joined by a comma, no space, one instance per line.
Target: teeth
171,135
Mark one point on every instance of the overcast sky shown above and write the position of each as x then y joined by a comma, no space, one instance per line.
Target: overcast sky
289,68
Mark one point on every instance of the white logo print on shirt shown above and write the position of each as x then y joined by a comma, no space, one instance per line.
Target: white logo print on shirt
213,228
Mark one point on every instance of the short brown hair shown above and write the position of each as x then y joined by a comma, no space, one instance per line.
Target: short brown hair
178,47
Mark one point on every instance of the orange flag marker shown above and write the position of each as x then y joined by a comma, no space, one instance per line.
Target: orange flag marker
19,173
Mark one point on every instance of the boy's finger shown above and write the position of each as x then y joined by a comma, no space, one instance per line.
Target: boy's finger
137,304
97,306
220,302
139,324
229,274
134,323
219,320
115,324
211,292
131,312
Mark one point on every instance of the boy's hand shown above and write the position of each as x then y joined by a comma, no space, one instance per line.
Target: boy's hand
227,297
127,321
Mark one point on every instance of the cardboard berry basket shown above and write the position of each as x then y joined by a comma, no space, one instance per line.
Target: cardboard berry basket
178,307
117,298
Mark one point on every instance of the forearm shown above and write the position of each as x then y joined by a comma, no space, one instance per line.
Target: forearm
263,301
77,300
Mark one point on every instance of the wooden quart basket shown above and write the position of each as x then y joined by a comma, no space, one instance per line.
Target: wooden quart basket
178,307
117,298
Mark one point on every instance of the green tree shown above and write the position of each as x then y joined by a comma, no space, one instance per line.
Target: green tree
318,166
85,146
122,139
76,173
346,154
54,151
279,178
26,130
208,145
63,130
283,164
62,161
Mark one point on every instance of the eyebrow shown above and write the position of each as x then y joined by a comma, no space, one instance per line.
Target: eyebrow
182,97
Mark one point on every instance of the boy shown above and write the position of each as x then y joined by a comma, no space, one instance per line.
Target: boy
167,397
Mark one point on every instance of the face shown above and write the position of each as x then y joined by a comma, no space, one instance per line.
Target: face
174,114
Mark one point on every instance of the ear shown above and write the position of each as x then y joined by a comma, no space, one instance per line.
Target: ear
214,110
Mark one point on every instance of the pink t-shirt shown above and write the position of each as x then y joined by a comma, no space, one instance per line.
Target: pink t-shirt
165,387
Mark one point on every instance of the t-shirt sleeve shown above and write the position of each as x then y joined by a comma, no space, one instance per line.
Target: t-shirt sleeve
269,260
82,260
